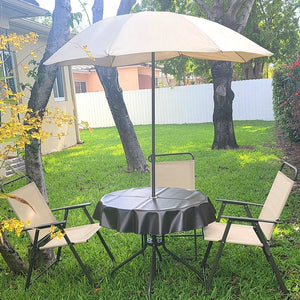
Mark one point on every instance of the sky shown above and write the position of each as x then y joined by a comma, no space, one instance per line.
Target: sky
110,7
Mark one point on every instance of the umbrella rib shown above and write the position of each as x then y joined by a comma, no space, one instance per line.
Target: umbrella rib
241,57
113,59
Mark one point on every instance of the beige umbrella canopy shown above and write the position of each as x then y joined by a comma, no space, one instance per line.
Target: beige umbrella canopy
152,36
130,39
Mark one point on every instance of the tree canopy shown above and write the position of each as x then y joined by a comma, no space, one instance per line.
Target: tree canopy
272,24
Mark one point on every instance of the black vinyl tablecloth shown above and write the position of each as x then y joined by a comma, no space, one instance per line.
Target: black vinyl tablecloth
172,210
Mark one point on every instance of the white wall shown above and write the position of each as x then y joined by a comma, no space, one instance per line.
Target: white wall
178,105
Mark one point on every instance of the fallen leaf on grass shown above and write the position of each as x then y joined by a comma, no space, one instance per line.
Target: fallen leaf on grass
234,281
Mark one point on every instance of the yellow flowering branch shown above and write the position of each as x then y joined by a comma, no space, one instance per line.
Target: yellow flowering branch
12,225
89,53
22,124
55,232
17,40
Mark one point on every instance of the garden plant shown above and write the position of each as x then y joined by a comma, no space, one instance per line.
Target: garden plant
286,98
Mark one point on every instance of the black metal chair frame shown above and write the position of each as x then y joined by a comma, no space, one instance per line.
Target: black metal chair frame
255,223
180,235
60,225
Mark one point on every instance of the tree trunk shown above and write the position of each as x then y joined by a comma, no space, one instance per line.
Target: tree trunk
134,156
234,15
40,94
253,70
109,79
224,137
12,258
42,88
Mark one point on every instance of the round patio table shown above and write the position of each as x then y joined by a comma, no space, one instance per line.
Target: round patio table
171,210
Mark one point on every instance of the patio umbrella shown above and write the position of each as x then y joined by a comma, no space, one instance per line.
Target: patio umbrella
151,36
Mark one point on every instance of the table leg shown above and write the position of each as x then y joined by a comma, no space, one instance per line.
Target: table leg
155,242
132,256
153,268
199,275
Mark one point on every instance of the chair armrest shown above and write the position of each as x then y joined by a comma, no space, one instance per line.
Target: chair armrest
75,206
45,239
239,202
48,225
245,219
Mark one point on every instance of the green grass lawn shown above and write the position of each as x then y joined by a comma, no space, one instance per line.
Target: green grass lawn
86,172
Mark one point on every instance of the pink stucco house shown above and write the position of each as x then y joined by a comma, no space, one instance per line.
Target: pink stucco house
130,78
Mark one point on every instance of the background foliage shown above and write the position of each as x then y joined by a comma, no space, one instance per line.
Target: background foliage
273,25
286,98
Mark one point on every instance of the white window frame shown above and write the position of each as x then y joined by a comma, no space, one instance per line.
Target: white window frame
6,72
59,86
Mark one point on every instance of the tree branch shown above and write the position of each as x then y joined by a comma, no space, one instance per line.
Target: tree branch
97,11
125,7
235,6
243,19
206,8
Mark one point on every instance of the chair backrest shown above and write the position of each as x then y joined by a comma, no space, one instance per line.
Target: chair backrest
40,214
275,202
179,174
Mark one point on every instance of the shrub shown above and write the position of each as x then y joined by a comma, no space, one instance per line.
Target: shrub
286,99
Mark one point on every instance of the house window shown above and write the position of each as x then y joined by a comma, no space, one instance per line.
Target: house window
7,70
58,87
80,87
7,73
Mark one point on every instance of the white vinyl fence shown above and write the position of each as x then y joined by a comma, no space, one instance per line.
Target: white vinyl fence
178,105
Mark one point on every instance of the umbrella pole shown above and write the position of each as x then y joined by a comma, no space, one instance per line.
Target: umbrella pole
153,123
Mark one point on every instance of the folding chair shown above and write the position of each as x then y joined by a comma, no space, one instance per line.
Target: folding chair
180,174
41,219
260,230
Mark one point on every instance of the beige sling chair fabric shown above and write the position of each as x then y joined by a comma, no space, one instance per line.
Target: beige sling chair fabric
180,174
260,230
38,218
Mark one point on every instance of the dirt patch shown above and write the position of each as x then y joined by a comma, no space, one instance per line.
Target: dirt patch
247,147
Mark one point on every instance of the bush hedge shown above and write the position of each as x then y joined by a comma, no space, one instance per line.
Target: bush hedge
286,99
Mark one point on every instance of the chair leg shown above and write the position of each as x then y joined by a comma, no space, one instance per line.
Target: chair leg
106,247
58,253
214,265
84,269
31,267
219,253
31,262
206,254
270,259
